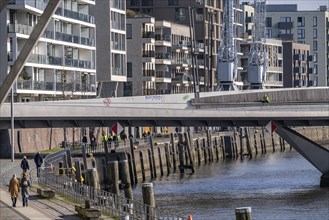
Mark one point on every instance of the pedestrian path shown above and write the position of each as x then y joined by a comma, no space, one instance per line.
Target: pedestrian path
19,212
38,208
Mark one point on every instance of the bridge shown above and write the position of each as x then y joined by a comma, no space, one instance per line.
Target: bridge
288,107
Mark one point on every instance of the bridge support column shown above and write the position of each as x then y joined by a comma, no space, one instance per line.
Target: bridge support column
310,150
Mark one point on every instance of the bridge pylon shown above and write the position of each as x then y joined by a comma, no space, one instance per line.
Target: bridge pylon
316,154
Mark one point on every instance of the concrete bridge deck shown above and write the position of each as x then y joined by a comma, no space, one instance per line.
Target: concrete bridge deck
287,107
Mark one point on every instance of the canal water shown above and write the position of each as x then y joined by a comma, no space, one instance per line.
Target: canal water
276,186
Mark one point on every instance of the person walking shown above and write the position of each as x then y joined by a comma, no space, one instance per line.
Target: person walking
14,189
25,165
38,159
25,184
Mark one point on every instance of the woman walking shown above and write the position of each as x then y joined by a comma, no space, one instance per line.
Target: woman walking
14,189
25,184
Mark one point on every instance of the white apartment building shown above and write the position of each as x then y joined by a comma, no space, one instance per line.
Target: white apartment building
306,27
159,59
62,64
110,17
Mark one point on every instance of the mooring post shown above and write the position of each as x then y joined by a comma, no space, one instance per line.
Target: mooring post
125,178
167,158
188,147
113,170
198,150
181,152
132,150
243,213
149,200
173,151
153,159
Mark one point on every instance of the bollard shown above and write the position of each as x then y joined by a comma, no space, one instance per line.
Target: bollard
125,178
148,199
113,170
243,213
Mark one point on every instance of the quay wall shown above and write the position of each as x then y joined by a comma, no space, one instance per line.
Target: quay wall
242,144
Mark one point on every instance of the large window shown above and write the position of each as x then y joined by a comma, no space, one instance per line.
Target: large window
315,45
315,33
173,2
301,21
285,19
315,21
129,31
300,33
268,22
268,33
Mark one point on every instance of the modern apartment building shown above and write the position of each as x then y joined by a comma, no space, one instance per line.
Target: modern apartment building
274,72
297,62
110,17
159,57
246,20
306,27
62,64
208,14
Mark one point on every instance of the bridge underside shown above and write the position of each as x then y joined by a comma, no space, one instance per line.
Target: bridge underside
160,122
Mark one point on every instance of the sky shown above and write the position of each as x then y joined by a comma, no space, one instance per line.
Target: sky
302,4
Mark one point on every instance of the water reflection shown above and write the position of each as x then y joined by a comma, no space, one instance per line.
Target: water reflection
276,186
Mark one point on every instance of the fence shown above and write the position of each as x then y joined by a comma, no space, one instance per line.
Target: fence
109,203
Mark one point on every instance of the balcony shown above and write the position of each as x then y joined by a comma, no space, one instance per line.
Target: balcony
300,57
163,77
286,36
299,70
148,34
147,73
163,58
163,40
310,70
285,25
248,19
44,59
300,83
38,4
79,63
148,53
118,4
184,79
200,47
75,15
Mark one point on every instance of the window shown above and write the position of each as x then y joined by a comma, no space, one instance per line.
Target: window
285,31
315,21
181,14
129,31
129,69
315,58
301,22
173,2
301,42
315,33
315,45
300,33
285,19
268,33
268,22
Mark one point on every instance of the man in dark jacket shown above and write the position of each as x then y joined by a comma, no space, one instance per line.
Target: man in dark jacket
38,162
25,164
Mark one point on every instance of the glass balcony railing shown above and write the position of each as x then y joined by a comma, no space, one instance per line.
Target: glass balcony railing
75,15
53,86
163,74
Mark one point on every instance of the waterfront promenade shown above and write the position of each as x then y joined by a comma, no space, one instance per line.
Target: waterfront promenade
38,208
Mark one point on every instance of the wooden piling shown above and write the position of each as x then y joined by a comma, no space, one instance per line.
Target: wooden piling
248,141
273,143
204,150
241,142
181,152
167,158
255,143
133,161
125,178
209,146
198,150
160,161
77,171
189,151
142,165
243,213
223,148
173,151
148,200
113,170
150,163
153,158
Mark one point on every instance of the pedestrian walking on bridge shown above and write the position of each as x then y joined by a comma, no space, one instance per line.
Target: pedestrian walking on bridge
14,189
